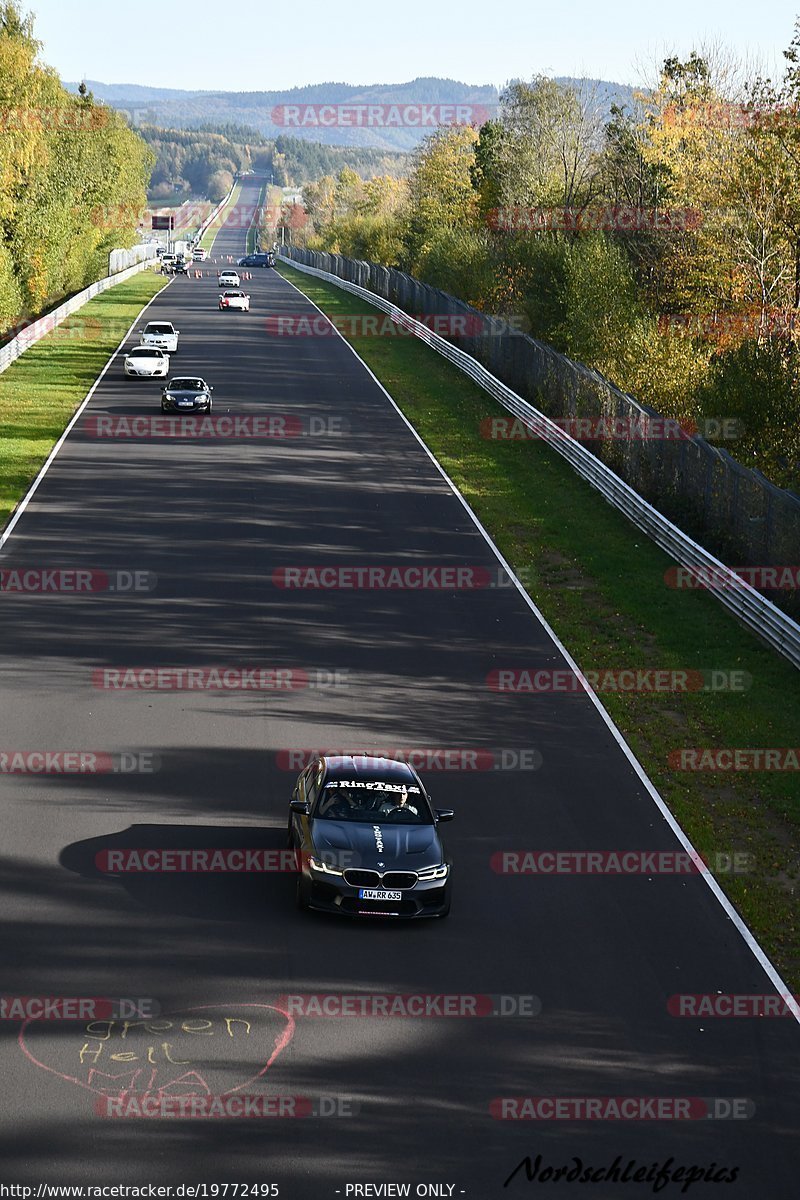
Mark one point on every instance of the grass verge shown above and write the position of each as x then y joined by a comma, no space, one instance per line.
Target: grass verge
41,390
207,240
252,231
601,585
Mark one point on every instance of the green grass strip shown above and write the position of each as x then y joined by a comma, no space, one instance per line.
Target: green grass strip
600,584
41,390
252,232
207,240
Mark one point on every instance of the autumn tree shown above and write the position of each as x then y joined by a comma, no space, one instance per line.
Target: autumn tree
440,192
72,178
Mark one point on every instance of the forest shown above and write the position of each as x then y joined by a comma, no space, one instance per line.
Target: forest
659,243
72,180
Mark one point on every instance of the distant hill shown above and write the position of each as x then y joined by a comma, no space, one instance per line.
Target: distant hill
170,108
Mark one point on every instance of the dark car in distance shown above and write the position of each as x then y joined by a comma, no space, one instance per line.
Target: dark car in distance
264,258
186,394
367,840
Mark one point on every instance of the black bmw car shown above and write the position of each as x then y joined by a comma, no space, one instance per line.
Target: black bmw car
368,840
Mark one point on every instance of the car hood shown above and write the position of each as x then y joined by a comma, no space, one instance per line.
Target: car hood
178,394
405,847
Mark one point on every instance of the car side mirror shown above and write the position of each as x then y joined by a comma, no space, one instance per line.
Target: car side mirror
298,806
444,814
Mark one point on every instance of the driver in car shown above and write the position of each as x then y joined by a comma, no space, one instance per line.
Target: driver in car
344,805
398,806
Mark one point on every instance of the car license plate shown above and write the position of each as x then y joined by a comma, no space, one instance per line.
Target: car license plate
378,894
186,404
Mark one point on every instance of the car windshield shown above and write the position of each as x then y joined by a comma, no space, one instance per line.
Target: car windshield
156,327
187,385
147,352
235,295
372,800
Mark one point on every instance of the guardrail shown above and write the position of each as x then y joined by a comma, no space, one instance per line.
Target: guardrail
39,328
255,224
216,212
754,610
35,330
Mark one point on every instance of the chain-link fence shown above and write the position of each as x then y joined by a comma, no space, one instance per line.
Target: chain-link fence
735,511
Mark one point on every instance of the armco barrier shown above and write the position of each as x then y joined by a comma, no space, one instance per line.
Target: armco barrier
216,212
43,325
753,609
733,509
39,328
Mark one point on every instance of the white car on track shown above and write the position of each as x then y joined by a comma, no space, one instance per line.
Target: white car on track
146,360
228,279
161,334
235,300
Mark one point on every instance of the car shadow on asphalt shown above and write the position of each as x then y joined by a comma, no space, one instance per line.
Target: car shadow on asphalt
194,884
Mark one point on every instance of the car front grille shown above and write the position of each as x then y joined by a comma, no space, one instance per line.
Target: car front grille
399,879
392,880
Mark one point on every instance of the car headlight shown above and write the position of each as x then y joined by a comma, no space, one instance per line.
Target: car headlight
440,872
317,864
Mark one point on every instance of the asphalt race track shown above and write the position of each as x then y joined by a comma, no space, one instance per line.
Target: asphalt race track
214,520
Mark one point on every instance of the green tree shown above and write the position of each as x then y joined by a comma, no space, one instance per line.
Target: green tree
440,191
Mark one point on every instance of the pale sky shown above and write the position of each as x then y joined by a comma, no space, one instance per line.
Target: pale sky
172,43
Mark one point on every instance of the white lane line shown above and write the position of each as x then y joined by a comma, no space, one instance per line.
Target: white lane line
760,955
23,504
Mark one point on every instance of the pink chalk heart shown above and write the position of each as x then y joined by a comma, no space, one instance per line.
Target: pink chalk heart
215,1049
